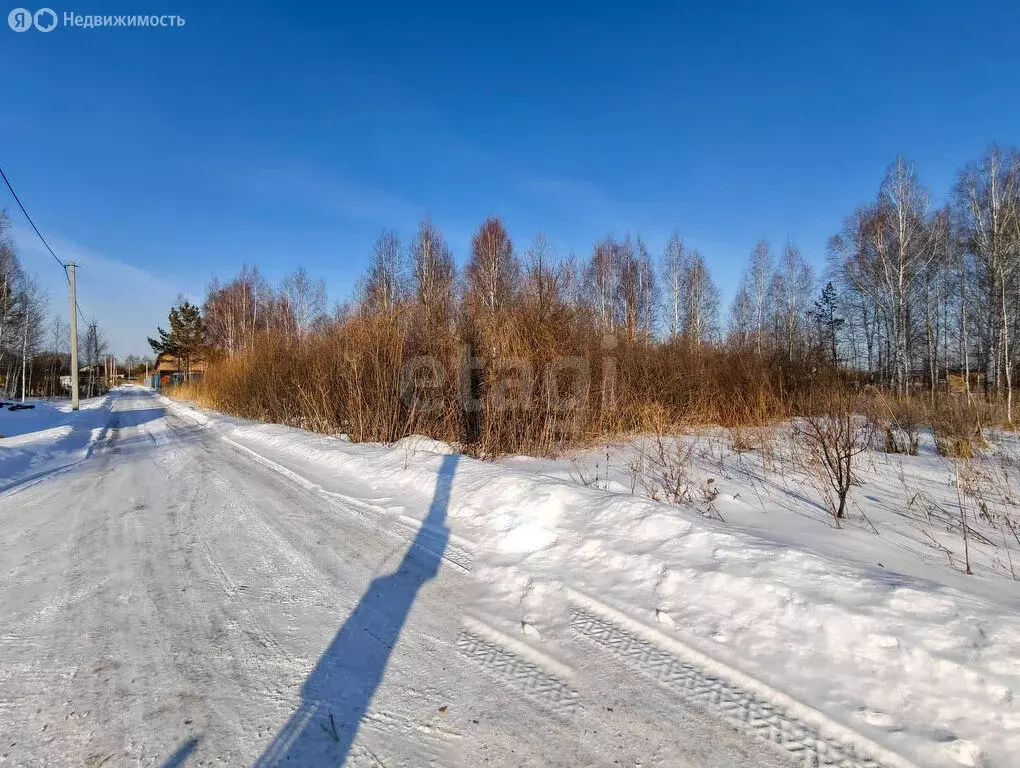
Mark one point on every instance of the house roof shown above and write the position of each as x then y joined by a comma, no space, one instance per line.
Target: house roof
169,364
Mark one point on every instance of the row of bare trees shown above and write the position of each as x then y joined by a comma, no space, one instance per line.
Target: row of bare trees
23,328
34,347
619,289
517,350
236,312
911,295
929,290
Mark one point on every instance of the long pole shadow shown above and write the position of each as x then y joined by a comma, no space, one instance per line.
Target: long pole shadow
337,693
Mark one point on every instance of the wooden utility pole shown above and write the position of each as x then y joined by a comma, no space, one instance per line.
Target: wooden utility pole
74,338
24,357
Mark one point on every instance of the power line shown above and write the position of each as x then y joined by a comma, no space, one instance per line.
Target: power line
17,199
68,269
56,258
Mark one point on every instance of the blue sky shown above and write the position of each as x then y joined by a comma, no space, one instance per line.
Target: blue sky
293,134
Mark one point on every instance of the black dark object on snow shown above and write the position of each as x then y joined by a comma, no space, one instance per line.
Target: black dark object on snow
21,407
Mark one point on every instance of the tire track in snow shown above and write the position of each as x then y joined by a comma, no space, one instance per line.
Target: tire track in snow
459,556
805,736
520,667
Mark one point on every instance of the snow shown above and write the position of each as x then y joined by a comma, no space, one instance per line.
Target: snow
38,441
882,632
564,618
874,623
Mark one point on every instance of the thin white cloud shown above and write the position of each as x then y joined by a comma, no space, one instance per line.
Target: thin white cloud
127,301
311,188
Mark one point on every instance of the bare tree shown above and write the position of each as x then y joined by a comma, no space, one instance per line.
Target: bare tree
758,283
433,275
700,301
881,254
493,271
305,298
742,318
32,320
635,287
904,203
792,288
988,197
544,279
11,281
235,312
94,347
383,287
674,262
601,282
836,436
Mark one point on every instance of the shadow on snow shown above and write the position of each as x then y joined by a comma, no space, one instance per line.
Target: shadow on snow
184,751
24,465
337,693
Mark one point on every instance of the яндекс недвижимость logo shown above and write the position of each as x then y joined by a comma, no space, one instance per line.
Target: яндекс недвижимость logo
46,20
22,20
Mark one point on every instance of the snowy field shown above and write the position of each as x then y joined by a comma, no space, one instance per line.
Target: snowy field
175,581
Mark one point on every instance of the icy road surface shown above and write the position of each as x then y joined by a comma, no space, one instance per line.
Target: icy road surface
169,600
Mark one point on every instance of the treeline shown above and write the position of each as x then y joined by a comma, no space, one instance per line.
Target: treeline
522,349
35,348
927,291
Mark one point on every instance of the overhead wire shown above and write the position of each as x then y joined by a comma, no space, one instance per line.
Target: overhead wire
56,258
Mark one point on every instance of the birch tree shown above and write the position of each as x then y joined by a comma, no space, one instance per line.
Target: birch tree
635,286
305,298
792,287
700,301
433,275
988,196
383,287
674,261
904,206
601,277
758,282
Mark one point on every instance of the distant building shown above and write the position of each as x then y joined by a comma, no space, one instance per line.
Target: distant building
171,370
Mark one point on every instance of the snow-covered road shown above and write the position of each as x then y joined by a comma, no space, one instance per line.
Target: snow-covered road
169,600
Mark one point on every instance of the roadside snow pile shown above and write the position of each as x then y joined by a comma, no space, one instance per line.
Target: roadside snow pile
37,441
38,417
881,631
874,622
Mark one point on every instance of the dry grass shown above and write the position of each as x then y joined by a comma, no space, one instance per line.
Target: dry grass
956,427
515,382
192,392
516,385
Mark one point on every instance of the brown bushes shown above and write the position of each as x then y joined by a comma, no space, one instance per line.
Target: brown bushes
903,431
502,383
512,382
955,424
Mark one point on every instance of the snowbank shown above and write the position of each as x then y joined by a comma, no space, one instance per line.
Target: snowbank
39,441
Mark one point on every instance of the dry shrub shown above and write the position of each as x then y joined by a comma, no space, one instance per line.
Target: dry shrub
836,433
193,391
365,379
742,439
903,431
668,463
955,425
513,381
535,393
